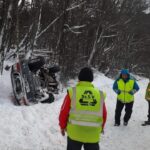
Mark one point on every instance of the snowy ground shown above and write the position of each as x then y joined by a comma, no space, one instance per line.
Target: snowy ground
36,127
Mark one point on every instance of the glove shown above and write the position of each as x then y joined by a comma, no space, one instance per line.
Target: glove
131,92
62,132
102,131
118,92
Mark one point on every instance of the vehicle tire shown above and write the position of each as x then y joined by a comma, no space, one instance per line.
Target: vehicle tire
15,101
54,69
36,63
17,89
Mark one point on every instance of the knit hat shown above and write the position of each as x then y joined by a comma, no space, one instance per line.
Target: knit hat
86,74
125,71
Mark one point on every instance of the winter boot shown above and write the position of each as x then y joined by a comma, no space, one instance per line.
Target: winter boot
125,123
117,124
146,122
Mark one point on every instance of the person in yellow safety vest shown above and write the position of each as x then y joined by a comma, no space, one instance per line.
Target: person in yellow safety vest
125,87
83,113
147,97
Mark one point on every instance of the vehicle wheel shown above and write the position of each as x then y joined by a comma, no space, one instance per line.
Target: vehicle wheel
17,89
36,63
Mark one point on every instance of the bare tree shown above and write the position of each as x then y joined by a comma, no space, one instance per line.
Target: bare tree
7,28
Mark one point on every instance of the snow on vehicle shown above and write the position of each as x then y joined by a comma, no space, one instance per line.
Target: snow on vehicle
32,82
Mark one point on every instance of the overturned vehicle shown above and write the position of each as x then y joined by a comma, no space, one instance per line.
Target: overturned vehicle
32,82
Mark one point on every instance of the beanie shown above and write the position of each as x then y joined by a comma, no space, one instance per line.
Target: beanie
125,71
86,74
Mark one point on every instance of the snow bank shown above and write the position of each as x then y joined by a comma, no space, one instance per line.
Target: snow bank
36,127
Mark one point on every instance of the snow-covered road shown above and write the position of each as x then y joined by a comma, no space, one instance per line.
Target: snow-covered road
36,127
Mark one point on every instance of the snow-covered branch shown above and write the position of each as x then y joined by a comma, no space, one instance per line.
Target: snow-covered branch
108,36
9,12
100,37
38,28
107,49
94,47
43,31
25,37
57,18
1,35
72,29
76,6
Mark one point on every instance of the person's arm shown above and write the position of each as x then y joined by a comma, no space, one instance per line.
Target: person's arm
115,87
135,88
64,114
104,116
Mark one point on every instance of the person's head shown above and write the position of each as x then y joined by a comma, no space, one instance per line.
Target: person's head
124,74
86,74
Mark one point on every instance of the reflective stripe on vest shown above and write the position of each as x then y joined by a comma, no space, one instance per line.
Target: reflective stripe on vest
89,124
84,117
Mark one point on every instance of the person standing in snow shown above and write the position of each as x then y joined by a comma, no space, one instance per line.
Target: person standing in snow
147,97
83,114
125,88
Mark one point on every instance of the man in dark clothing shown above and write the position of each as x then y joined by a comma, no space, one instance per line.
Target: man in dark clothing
125,88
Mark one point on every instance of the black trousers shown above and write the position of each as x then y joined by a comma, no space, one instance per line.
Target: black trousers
75,145
148,111
128,111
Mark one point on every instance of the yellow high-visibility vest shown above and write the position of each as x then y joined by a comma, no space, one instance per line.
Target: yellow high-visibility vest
147,95
125,88
85,117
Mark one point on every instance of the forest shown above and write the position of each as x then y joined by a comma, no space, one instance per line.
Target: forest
105,34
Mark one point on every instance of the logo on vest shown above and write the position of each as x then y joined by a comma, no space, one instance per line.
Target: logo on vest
88,99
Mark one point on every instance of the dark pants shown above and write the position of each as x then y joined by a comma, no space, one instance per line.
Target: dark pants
148,111
75,145
128,111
